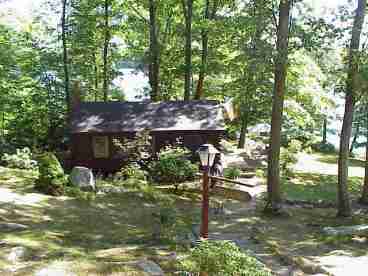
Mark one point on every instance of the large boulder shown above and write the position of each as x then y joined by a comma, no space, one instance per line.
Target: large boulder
82,178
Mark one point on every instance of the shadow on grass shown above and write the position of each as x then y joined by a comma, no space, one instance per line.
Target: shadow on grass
64,228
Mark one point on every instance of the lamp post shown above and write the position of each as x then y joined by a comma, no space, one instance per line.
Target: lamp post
207,153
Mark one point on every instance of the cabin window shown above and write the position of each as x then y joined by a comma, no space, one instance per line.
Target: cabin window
101,146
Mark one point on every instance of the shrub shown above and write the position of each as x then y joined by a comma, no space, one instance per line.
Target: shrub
288,156
132,170
260,173
22,159
173,166
222,258
324,148
51,179
232,173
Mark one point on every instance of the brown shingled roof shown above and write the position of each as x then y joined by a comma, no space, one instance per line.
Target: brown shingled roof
114,117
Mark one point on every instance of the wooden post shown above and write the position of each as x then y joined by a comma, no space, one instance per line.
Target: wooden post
205,205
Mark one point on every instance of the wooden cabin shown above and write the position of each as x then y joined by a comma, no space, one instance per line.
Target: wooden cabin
96,125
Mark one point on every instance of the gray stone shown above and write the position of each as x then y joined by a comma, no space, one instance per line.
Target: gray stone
82,178
16,254
7,226
346,230
149,267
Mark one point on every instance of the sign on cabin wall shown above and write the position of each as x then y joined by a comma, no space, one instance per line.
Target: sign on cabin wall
100,146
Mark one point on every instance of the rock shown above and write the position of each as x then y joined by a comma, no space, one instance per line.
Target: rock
346,230
16,254
149,267
56,269
7,226
82,178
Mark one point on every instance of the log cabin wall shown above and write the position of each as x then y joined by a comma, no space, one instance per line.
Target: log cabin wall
83,152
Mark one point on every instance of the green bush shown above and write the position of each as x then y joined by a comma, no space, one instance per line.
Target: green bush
232,173
51,179
173,166
288,156
261,173
222,258
324,148
22,159
132,170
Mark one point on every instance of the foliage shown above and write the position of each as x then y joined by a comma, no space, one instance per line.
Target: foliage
232,172
22,159
222,258
137,148
51,179
288,156
132,170
324,147
173,166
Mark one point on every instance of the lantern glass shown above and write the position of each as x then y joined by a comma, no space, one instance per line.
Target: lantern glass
207,155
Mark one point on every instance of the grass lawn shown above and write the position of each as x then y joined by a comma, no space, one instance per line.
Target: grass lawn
95,237
88,234
315,187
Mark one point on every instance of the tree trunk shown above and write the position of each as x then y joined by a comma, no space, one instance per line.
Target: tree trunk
106,51
364,198
273,176
204,56
243,132
188,12
154,66
344,205
65,56
95,69
355,138
324,131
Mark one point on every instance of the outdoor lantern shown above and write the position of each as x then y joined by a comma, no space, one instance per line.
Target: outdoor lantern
207,153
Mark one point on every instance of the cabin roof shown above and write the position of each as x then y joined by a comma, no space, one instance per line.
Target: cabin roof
115,117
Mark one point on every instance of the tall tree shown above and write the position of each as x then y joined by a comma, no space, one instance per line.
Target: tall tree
106,49
344,205
188,14
252,72
154,46
209,14
364,197
65,53
273,176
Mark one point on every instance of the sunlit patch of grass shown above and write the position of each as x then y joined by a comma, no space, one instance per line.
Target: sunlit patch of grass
333,158
20,180
314,187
